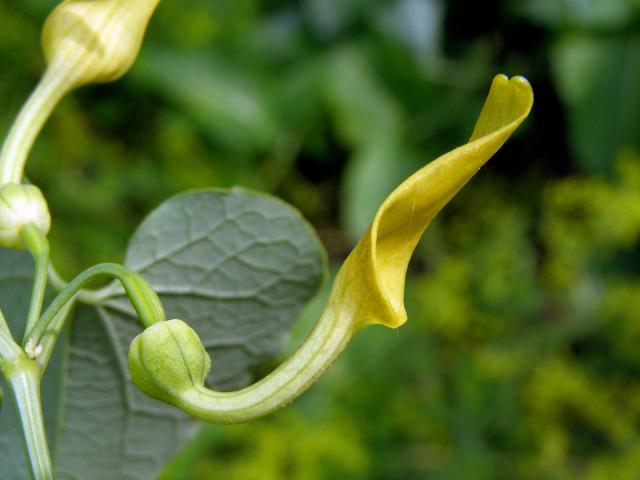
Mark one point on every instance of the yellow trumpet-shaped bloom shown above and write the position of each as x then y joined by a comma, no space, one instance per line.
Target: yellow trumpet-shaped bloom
368,289
373,277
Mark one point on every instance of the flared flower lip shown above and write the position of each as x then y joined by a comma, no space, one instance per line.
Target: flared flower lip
508,104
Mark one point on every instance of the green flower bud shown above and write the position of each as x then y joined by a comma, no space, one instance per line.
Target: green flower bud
84,41
95,41
21,205
168,360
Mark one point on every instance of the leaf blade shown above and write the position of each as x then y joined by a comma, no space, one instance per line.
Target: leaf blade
239,266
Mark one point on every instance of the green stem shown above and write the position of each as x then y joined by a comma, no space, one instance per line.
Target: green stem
329,338
92,297
50,337
23,378
37,244
35,112
154,354
144,300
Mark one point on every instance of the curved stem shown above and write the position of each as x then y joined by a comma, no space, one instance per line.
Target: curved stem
37,244
279,388
35,112
50,337
92,297
144,300
23,378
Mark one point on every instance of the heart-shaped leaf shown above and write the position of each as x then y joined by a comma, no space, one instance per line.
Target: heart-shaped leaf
238,266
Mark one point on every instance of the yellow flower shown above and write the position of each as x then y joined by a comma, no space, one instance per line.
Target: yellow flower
368,289
373,276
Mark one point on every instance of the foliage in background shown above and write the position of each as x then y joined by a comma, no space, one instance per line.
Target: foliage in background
520,358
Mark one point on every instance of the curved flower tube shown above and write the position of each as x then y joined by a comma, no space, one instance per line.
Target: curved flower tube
168,362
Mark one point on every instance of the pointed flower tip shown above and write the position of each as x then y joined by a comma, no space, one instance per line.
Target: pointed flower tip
372,279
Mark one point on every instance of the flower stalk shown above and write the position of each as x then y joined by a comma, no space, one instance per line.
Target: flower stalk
144,300
36,242
83,42
23,377
168,361
35,112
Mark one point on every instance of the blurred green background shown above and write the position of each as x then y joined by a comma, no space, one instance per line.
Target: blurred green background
520,358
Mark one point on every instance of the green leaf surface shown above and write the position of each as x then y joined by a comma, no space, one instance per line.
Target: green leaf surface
238,266
16,273
597,80
107,429
15,281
